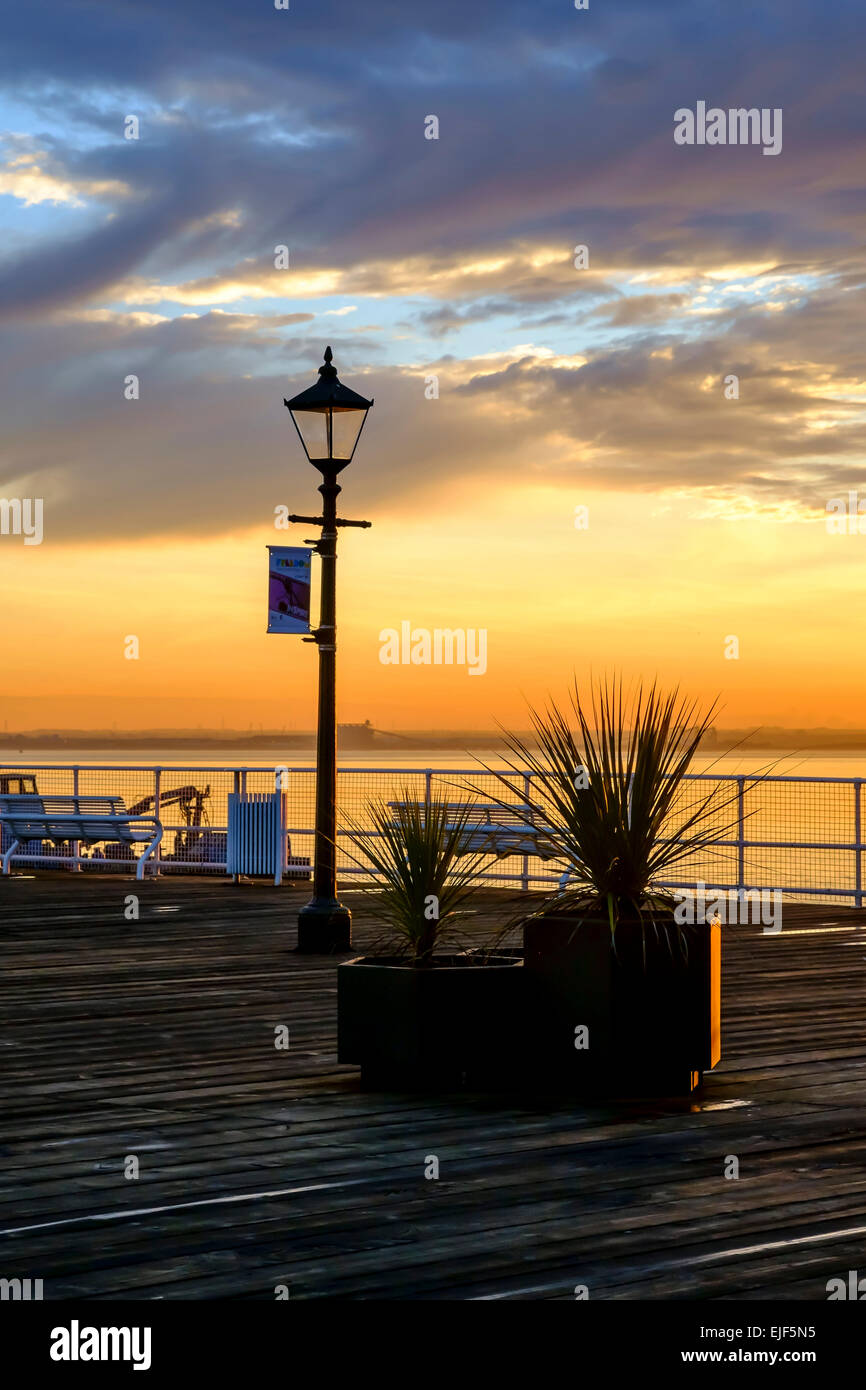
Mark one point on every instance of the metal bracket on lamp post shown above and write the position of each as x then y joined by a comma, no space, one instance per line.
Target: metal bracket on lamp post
317,636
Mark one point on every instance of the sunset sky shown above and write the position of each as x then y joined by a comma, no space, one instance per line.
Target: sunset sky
601,387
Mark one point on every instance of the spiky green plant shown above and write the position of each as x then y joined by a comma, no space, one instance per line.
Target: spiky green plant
609,786
423,874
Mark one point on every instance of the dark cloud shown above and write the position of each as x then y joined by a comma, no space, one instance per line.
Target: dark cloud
629,310
555,125
305,128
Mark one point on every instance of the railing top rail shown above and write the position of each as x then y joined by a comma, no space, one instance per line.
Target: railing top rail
758,777
242,767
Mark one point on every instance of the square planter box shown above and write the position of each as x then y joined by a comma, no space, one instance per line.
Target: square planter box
454,1023
651,1026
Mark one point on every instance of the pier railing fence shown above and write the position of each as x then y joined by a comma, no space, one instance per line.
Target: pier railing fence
801,836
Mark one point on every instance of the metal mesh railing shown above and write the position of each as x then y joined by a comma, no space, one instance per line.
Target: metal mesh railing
799,835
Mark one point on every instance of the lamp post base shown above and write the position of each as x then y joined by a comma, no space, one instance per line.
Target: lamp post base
324,927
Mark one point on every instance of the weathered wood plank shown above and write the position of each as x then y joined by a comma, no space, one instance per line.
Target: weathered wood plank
155,1038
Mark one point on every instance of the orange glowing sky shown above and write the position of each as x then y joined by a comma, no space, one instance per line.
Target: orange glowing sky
646,589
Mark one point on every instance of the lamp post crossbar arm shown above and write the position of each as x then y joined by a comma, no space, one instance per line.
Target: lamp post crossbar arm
320,521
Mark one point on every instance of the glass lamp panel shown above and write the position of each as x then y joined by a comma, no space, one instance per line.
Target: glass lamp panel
313,429
346,428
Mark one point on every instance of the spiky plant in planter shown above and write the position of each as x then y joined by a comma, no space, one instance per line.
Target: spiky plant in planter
416,851
416,1016
606,951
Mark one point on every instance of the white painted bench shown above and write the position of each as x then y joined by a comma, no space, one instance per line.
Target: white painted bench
90,819
502,832
499,831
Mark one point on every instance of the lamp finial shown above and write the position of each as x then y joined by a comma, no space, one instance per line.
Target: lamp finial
328,371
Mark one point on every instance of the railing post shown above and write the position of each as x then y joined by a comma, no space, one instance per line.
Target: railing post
527,789
157,788
741,835
236,788
76,844
858,857
428,783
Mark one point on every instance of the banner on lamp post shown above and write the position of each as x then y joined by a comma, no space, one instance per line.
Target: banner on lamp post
289,577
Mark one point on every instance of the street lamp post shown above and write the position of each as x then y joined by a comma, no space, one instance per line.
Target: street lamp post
329,419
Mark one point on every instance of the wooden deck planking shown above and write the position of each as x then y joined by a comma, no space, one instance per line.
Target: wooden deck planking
155,1037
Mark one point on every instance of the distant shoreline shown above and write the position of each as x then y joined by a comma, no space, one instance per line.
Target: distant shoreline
305,743
721,742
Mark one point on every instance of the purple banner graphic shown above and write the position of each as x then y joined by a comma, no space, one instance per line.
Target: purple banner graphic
289,578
